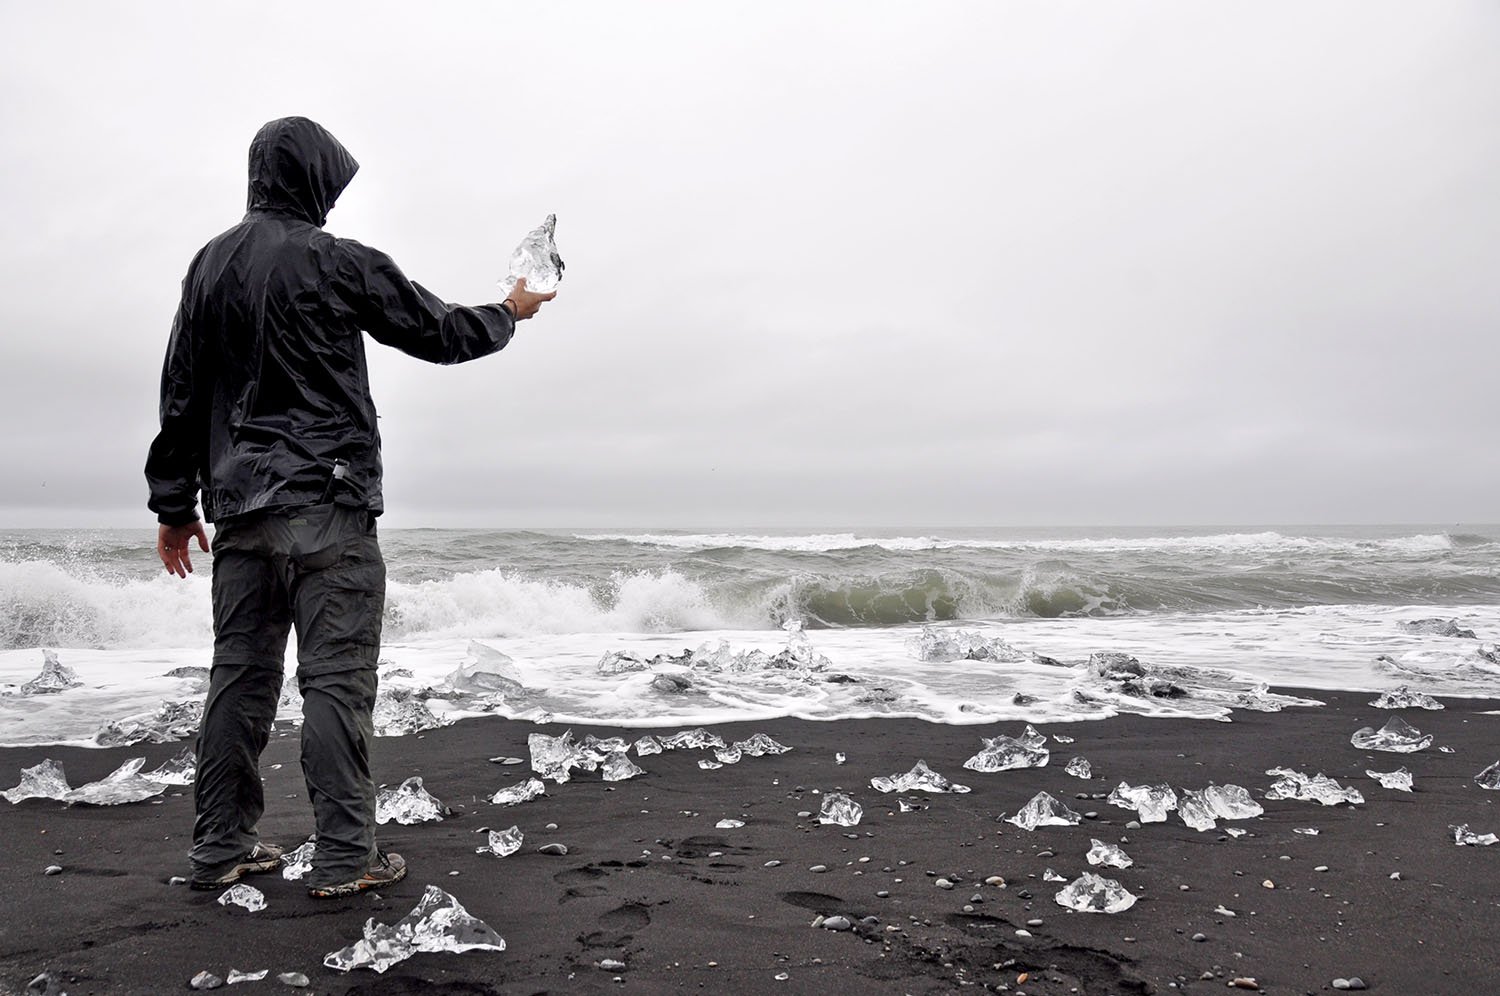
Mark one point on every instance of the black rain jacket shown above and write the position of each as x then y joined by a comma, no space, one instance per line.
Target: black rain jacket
265,383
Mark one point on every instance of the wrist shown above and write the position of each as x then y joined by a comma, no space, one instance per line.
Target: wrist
509,305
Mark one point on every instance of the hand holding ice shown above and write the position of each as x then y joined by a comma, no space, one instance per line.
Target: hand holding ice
536,260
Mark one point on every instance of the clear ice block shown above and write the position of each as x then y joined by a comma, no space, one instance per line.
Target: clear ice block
758,745
438,923
1090,893
554,757
536,260
840,810
297,863
503,843
1101,853
1151,802
1400,779
397,714
40,781
121,786
408,804
1196,811
1405,698
1079,767
920,778
1004,753
1231,802
1397,736
1319,788
618,767
647,745
55,677
235,975
622,662
1464,837
179,770
728,755
244,895
1489,778
517,794
942,645
1044,811
695,739
727,824
1051,876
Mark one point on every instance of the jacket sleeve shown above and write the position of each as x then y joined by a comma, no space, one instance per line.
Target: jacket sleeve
176,453
399,312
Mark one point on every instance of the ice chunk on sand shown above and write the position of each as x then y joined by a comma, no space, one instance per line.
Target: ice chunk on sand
840,810
1101,853
728,755
1079,767
123,785
1090,893
490,673
438,923
398,714
1007,753
1397,736
1051,876
244,895
758,745
55,677
1231,802
647,745
618,767
502,842
409,803
727,824
235,975
1195,810
40,781
695,739
1405,698
172,721
1152,802
553,757
297,863
536,260
1319,788
1044,811
1489,778
1464,837
1400,779
622,662
517,794
920,778
179,770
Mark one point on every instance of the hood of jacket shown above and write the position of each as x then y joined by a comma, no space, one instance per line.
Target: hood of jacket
297,167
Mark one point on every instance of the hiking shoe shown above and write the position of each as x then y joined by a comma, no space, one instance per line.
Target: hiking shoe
386,869
263,857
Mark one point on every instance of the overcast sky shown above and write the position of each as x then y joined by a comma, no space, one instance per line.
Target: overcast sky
828,264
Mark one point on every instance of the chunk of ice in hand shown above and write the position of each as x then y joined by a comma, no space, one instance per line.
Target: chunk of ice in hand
503,842
536,260
920,778
1101,853
1044,811
1397,736
244,895
1400,779
840,810
437,923
40,781
409,803
1090,893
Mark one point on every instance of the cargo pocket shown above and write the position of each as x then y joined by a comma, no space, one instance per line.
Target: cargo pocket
339,612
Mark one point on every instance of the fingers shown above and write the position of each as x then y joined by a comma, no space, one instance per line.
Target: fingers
520,285
202,536
549,296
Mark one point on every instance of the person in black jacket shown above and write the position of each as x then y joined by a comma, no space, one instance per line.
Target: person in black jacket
266,409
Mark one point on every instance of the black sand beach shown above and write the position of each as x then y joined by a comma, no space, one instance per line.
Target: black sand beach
650,882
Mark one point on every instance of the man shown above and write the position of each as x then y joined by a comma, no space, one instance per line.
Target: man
265,407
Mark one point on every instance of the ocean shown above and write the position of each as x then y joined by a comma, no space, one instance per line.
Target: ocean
867,622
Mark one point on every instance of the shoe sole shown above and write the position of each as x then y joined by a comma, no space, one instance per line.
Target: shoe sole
353,888
238,872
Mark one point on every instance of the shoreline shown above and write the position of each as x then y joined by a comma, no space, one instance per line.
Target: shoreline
705,895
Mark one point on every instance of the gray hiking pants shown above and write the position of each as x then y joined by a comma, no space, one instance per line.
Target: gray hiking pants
320,570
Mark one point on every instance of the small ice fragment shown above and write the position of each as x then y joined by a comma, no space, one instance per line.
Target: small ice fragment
1101,853
179,770
647,746
1464,837
1051,876
205,980
1004,753
244,895
907,807
618,767
840,810
40,781
1196,810
553,757
517,794
235,975
708,765
409,804
1306,831
437,923
1079,767
1489,778
397,714
1397,736
839,758
728,755
1235,832
1319,788
297,863
55,677
1405,698
294,979
946,645
1044,811
1090,893
1059,738
1152,802
622,662
503,843
694,739
121,786
920,778
1222,911
729,824
758,745
1231,802
536,260
1400,779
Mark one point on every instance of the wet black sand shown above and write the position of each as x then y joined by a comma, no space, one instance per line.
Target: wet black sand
649,881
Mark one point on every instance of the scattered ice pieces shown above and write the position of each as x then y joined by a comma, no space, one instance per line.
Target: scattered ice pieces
733,824
1079,767
1101,853
1152,802
920,778
235,975
618,767
536,260
1091,893
123,785
502,843
1319,788
1044,811
244,895
437,923
1397,736
1489,778
1405,698
942,645
205,980
1464,837
1400,779
40,781
409,804
517,794
55,677
1051,876
1007,753
840,810
297,863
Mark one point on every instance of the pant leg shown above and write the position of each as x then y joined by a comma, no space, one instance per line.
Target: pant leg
336,734
251,620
